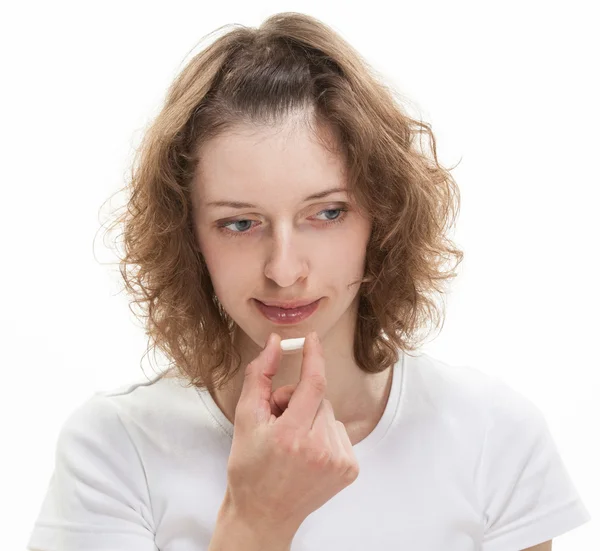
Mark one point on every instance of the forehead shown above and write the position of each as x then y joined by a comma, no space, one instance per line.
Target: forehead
251,161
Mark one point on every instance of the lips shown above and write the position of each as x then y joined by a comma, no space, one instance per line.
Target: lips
289,304
287,316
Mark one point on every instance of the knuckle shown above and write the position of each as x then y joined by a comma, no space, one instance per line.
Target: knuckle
340,465
319,383
351,472
315,451
285,441
321,457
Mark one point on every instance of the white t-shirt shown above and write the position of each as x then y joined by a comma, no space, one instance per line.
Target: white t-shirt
459,461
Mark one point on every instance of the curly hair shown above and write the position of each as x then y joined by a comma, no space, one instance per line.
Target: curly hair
260,75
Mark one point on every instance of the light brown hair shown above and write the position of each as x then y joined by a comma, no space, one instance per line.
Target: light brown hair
259,76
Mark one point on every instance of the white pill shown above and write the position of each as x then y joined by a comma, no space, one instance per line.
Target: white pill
292,344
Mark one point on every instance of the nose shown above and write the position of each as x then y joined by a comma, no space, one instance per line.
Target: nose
286,263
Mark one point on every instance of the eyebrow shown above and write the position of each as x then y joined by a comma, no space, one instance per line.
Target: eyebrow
239,205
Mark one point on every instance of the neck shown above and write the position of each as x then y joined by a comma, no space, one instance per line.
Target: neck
358,398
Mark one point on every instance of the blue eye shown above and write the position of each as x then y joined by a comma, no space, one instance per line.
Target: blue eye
247,224
242,222
333,210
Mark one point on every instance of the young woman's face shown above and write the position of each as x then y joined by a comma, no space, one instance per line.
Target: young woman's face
282,245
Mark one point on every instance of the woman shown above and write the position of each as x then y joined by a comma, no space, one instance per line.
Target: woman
280,194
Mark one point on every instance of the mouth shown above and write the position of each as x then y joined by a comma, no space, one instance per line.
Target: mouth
287,316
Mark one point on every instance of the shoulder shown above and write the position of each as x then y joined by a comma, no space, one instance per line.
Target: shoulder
106,416
164,415
149,401
461,387
478,408
89,429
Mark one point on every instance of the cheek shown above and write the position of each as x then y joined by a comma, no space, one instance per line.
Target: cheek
232,270
342,265
222,266
351,250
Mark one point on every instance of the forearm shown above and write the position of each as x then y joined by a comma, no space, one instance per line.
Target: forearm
233,533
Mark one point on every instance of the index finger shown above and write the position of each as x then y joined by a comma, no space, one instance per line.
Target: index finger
309,394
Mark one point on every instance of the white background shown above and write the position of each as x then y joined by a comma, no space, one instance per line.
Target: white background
511,88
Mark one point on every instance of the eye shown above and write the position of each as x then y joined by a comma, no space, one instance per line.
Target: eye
247,224
340,215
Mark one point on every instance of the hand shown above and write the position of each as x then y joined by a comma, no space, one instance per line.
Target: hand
289,454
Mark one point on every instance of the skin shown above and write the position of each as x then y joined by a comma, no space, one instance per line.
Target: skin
284,249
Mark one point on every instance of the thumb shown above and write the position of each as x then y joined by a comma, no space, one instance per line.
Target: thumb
253,405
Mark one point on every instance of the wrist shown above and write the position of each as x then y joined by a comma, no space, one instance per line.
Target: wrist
242,532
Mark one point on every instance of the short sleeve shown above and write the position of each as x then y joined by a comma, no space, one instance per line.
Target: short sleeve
97,498
527,494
